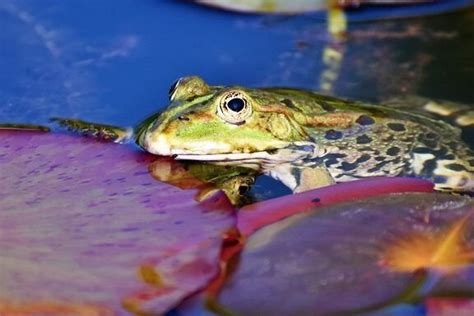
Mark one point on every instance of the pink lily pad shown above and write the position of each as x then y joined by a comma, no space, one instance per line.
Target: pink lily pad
83,223
336,259
254,216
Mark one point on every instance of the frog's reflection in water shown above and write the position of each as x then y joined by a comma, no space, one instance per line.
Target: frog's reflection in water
207,178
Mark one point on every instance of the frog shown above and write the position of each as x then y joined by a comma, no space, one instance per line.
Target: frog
304,139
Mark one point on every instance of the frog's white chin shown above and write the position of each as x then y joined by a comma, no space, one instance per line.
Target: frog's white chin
202,150
157,145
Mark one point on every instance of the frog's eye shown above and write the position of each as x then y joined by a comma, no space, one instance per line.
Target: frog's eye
187,88
234,107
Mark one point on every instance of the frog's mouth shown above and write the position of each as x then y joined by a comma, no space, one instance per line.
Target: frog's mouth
291,152
260,160
259,156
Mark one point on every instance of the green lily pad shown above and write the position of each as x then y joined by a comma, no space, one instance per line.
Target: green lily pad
346,258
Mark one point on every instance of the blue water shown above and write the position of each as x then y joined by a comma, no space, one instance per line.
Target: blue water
114,61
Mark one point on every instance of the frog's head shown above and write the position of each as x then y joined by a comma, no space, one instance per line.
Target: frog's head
220,123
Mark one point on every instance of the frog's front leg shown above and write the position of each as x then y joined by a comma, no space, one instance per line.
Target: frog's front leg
101,131
300,178
299,167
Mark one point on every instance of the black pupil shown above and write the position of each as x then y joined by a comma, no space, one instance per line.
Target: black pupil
236,104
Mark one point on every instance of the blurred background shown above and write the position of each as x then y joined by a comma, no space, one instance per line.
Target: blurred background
113,61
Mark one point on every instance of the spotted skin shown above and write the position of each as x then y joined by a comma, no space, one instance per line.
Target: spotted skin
421,153
400,144
442,156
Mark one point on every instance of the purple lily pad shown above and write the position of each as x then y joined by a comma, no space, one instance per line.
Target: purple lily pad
84,223
334,259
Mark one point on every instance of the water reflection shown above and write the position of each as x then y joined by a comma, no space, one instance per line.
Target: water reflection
235,181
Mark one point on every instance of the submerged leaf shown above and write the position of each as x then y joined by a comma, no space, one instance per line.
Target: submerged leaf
83,223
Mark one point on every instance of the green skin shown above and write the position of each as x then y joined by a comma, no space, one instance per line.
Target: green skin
301,138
